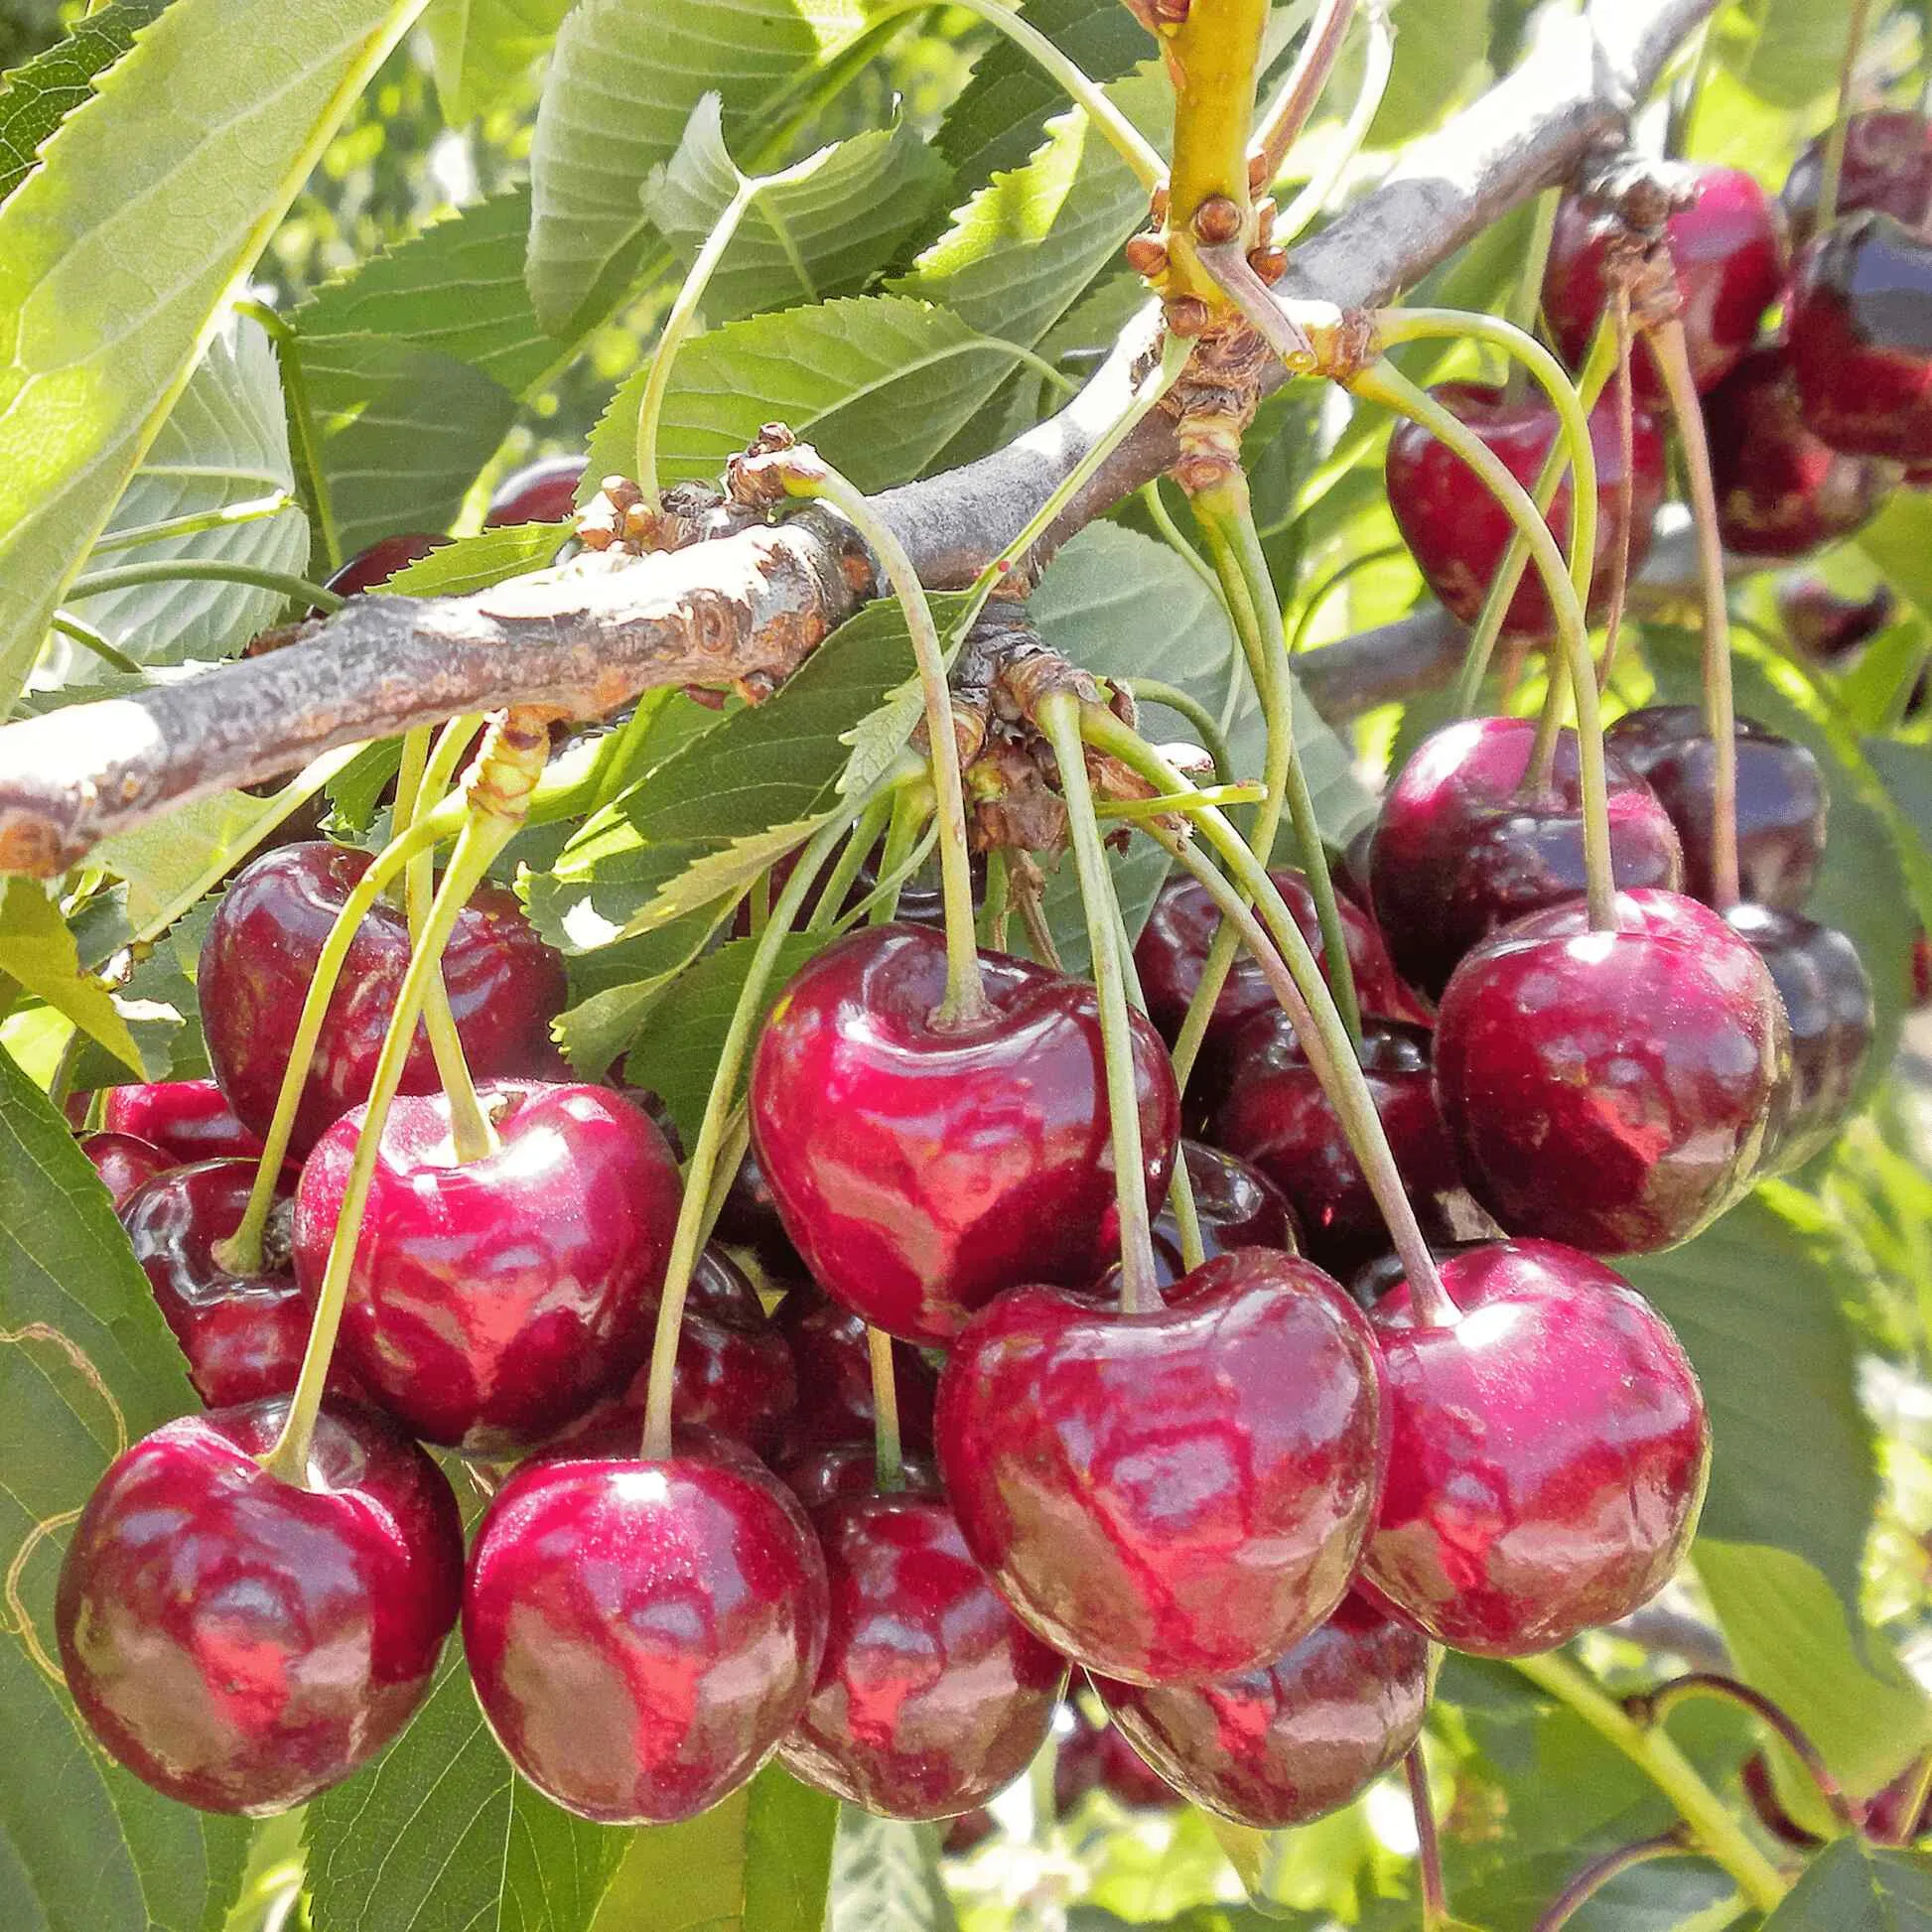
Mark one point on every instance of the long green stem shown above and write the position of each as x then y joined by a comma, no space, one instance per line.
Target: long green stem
89,639
1378,63
194,523
867,830
1526,298
1833,170
1059,716
1162,520
171,570
888,1456
1716,1829
1151,690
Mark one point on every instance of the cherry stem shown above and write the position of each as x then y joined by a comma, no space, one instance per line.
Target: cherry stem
1716,1833
1599,1871
241,1252
1329,585
1429,1849
688,1240
1386,384
889,1456
1655,1705
1150,690
1059,718
911,806
1542,764
1833,170
965,1001
1673,359
1626,487
1378,63
204,570
865,833
1284,118
1162,520
1526,298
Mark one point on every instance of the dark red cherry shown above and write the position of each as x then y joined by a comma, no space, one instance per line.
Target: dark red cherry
124,1161
1295,1738
190,1119
1548,1457
243,1334
494,1300
239,1643
833,1361
543,491
1275,1115
968,1831
1175,1496
641,1634
1097,1757
1461,848
506,986
817,1476
931,1695
1610,1089
1235,1206
750,1220
1887,167
920,1169
1727,248
1828,626
1383,1274
1781,803
371,569
1780,490
1828,1003
1458,531
1858,325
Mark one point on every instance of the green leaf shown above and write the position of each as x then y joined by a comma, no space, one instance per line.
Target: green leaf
440,1835
116,256
87,1365
1856,1887
1899,542
616,989
1440,48
1786,52
39,97
725,873
159,1003
38,950
886,1872
482,47
478,562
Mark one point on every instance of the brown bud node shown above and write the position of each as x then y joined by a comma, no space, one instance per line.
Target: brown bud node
1188,315
1217,220
1269,264
1147,256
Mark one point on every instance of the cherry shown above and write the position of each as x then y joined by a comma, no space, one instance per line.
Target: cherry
750,1220
968,1831
1461,848
243,1334
1780,490
1458,531
1235,1206
641,1634
124,1163
543,491
1610,1089
494,1300
1726,249
919,1170
239,1643
1384,1273
1294,1740
505,986
1828,1001
190,1119
1887,167
832,1363
1275,1114
1098,1757
1549,1457
1828,626
1855,326
817,1476
931,1695
1171,1496
369,569
1781,803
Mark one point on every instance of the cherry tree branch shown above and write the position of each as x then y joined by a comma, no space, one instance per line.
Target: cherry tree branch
749,607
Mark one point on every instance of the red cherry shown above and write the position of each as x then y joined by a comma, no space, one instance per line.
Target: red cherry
833,1361
968,1831
817,1476
931,1695
543,491
1549,1457
1781,803
1887,167
494,1300
1727,248
922,1170
750,1220
1235,1206
1458,531
1888,1817
1780,490
1296,1739
1174,1497
1610,1089
371,569
1461,848
641,1634
190,1119
1854,326
124,1161
239,1643
1826,625
505,986
1098,1757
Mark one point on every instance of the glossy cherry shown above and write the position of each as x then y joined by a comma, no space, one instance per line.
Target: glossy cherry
506,986
1828,1003
543,491
243,1334
494,1300
190,1119
1887,167
1610,1089
371,567
124,1161
1275,1115
239,1643
1781,491
641,1634
919,1170
1458,531
1098,1757
1548,1457
1461,848
832,1363
849,1469
1860,341
1727,247
1781,803
1294,1740
931,1695
1174,1497
1826,625
1235,1206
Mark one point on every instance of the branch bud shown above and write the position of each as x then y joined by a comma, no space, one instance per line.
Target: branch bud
1217,220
